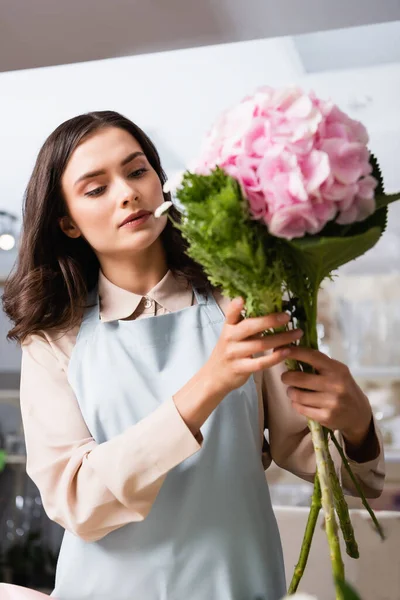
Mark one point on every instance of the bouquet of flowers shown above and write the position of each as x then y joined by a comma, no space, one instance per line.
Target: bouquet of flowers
286,191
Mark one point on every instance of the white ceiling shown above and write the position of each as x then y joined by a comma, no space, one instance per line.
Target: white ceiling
52,32
349,48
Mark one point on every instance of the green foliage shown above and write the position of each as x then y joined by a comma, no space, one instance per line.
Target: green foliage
236,252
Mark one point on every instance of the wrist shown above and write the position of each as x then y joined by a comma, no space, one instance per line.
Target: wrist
356,437
362,446
214,390
358,432
198,399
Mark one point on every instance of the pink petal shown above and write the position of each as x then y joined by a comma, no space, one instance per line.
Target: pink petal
296,186
365,207
301,108
366,187
339,193
347,159
348,216
315,169
293,221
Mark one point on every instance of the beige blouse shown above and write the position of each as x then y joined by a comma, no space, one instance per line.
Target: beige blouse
92,489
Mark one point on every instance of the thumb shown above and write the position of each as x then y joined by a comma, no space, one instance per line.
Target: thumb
232,313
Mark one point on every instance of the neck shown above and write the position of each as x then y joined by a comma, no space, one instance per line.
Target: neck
137,274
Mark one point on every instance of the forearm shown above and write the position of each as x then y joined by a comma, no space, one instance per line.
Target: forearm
196,400
74,496
91,489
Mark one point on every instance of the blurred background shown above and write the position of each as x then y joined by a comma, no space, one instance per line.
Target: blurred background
172,67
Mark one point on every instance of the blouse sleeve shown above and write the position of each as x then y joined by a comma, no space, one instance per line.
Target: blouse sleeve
291,446
88,488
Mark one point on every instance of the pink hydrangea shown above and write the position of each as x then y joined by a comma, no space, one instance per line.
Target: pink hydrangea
300,161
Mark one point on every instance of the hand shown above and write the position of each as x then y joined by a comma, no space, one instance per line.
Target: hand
232,361
331,397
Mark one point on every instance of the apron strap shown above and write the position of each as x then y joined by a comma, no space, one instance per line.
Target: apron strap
212,306
91,315
201,299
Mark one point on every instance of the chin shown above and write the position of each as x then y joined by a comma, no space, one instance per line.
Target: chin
140,243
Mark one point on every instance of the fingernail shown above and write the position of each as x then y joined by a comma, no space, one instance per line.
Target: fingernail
285,352
298,333
282,318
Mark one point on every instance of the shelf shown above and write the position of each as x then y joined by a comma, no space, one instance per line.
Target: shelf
9,397
15,459
376,373
392,454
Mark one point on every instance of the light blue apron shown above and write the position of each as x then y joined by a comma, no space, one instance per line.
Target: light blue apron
211,533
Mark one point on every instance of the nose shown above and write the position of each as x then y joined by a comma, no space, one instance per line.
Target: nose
127,193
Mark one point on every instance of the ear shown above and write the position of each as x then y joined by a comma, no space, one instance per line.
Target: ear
69,228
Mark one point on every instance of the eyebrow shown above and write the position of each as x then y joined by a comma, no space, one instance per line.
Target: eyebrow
126,160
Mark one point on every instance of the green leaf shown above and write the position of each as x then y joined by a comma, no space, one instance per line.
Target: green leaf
377,173
347,591
319,256
383,200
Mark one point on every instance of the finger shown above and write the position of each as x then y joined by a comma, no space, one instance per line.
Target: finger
321,362
252,365
306,381
316,414
277,341
320,400
270,342
233,311
255,325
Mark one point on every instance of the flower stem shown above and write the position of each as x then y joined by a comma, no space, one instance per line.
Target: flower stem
342,510
327,501
310,340
308,535
357,485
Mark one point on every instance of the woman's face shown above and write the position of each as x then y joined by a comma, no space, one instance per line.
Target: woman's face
107,180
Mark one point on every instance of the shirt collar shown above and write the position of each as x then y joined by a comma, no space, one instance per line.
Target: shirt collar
172,293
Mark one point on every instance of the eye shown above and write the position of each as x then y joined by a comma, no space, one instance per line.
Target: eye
96,191
137,173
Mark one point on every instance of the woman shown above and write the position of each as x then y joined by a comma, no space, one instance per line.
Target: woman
145,395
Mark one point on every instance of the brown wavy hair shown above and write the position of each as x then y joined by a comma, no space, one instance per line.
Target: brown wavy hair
49,286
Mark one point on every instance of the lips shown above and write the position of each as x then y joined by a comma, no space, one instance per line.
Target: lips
135,216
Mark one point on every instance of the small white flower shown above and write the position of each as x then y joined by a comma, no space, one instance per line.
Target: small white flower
162,209
173,182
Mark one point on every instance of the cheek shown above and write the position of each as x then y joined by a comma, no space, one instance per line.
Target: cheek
155,191
95,222
161,224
